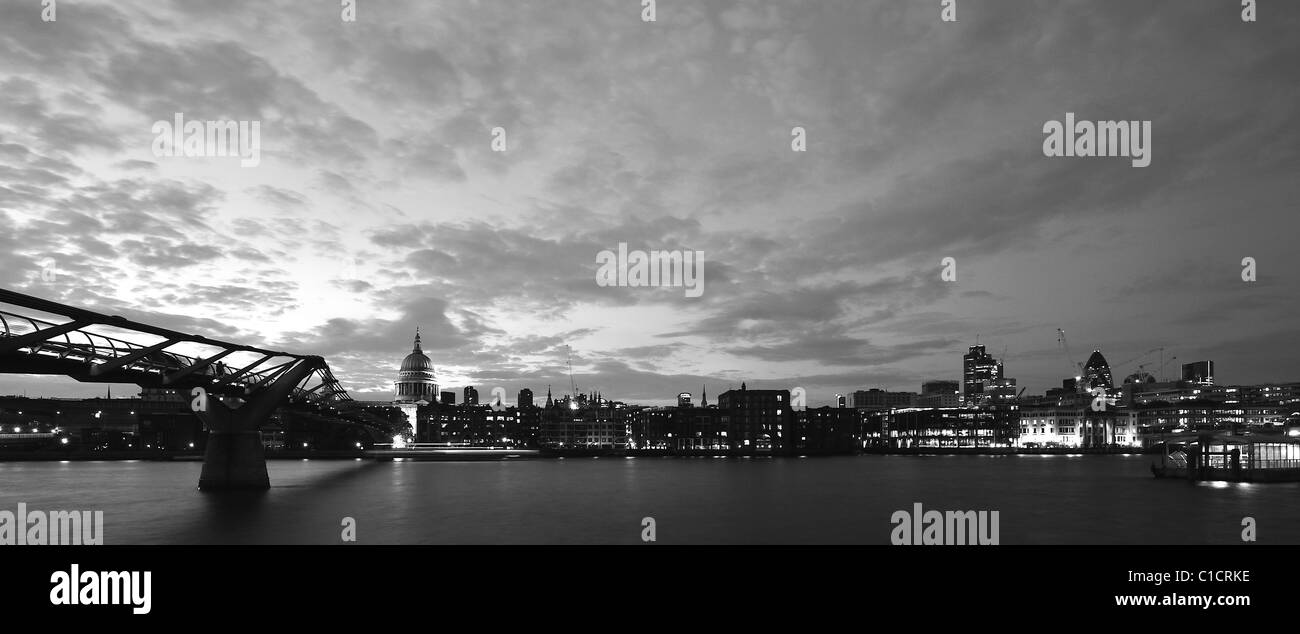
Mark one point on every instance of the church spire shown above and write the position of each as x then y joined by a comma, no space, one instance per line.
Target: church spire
704,395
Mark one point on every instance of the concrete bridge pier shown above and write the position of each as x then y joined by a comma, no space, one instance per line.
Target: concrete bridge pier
235,458
234,461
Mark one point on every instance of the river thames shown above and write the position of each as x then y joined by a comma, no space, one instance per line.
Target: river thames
832,500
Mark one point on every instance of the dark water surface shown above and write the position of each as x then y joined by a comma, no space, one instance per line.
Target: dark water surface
1041,500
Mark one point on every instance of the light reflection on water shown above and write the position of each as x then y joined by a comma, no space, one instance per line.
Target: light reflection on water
1045,500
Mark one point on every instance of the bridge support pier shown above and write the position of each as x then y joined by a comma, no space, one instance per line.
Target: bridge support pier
234,461
235,458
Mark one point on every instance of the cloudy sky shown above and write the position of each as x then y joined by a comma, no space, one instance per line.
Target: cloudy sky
379,203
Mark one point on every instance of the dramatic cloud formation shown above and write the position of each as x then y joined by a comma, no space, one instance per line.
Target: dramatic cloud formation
379,204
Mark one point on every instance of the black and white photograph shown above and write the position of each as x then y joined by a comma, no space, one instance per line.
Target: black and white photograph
384,290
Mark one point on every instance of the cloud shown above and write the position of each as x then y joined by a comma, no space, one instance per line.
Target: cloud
380,204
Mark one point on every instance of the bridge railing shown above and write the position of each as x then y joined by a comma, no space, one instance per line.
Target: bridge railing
107,357
108,347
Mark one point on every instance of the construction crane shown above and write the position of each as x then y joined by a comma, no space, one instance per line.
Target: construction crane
572,385
1163,363
1125,365
1065,345
1160,369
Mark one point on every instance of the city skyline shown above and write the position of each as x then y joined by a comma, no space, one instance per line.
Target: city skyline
378,204
985,383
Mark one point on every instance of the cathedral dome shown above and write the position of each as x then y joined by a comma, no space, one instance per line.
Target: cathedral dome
415,379
417,361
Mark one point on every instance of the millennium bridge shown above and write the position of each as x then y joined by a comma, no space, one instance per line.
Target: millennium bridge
235,388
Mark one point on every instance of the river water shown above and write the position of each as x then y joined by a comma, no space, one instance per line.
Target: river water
833,500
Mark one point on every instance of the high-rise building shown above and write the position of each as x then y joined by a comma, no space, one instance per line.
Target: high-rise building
471,395
1199,372
979,369
447,398
1096,372
525,398
841,400
684,399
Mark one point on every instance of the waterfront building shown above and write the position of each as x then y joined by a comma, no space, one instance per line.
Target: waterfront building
825,430
105,423
496,428
653,428
756,420
528,424
699,429
1161,417
1074,424
166,420
676,429
947,427
580,423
